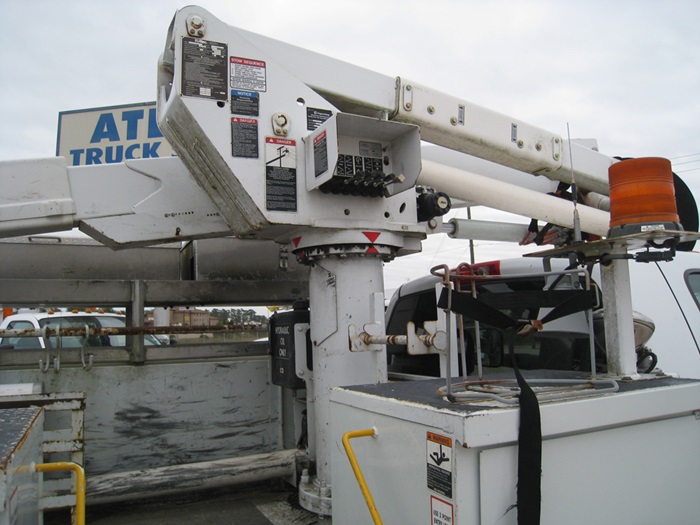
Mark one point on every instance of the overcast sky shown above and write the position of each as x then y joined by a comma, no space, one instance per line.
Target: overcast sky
626,72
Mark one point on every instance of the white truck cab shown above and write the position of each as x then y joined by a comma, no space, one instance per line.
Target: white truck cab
665,297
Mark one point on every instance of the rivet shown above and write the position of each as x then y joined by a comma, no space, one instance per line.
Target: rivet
431,109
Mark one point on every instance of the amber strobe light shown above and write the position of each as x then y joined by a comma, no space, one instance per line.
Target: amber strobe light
642,197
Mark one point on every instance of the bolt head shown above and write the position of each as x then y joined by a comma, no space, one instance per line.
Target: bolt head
453,121
196,22
408,105
431,109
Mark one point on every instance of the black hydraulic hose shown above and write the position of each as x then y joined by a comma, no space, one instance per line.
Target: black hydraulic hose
654,360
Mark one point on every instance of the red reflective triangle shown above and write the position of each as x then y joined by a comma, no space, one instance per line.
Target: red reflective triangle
372,249
296,241
372,236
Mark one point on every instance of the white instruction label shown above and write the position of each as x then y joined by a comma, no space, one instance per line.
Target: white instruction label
441,512
248,74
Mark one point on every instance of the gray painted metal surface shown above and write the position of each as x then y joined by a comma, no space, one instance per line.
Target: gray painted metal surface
155,415
59,270
62,440
31,292
60,257
20,444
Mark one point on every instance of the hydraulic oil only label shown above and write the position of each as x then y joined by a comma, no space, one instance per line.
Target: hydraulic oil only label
280,174
438,452
204,69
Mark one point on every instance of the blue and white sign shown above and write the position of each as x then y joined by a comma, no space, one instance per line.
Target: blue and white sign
110,135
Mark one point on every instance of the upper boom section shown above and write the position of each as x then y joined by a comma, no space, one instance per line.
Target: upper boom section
444,120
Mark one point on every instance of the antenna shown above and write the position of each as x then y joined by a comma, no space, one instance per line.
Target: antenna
574,191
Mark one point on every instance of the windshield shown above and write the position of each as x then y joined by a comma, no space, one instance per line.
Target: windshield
20,342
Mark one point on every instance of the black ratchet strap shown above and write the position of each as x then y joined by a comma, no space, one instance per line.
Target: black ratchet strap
528,493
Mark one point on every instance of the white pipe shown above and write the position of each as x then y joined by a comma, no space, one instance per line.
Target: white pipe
460,184
596,200
485,230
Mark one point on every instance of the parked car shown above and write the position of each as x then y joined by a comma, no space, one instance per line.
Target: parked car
665,298
39,319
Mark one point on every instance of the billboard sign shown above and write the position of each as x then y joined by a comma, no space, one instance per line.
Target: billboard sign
110,135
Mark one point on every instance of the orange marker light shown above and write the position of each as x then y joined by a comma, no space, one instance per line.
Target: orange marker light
642,192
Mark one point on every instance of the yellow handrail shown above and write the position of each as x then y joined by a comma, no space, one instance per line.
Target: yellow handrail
358,473
80,485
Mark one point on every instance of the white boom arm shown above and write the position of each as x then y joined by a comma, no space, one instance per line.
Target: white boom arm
46,195
135,203
444,120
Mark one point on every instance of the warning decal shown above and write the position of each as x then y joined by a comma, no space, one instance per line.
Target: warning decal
244,138
204,69
280,174
248,74
441,512
320,154
439,461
